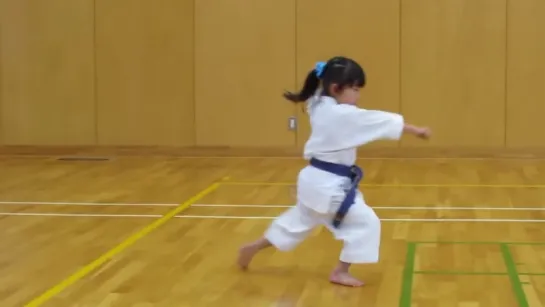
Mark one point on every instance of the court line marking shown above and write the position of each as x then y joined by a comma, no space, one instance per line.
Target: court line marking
54,214
66,203
120,247
474,273
407,208
145,231
432,208
408,276
400,185
514,276
479,242
382,219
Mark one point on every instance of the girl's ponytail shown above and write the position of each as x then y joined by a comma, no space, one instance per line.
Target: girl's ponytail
309,88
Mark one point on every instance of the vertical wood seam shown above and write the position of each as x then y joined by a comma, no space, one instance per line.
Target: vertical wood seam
194,56
400,59
95,69
294,107
506,83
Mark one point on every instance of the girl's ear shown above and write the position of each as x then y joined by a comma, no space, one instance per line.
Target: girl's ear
333,88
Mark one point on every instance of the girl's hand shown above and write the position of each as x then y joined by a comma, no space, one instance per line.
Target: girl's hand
423,133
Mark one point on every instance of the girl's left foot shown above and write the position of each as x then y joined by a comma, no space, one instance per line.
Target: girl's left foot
248,251
245,255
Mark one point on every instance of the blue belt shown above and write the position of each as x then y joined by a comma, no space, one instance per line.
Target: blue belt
353,172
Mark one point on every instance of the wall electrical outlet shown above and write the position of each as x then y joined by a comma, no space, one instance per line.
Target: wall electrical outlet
292,123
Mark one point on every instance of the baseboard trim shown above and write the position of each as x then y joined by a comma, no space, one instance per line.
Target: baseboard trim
214,151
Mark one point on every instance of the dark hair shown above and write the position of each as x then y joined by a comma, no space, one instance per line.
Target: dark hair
338,70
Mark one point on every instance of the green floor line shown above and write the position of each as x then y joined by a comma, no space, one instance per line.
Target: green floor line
513,276
408,274
480,242
473,273
457,242
459,273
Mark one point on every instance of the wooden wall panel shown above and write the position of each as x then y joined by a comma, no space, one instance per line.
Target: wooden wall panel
526,73
212,72
453,70
1,83
245,59
145,72
47,72
367,31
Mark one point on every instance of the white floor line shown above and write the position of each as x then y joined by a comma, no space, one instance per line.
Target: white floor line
240,206
384,207
253,217
84,203
431,208
383,220
78,214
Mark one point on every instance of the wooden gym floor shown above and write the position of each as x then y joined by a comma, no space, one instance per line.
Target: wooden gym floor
165,232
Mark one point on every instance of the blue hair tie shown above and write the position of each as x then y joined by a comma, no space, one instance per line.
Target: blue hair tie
319,68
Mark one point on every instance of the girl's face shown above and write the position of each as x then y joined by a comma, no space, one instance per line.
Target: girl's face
348,95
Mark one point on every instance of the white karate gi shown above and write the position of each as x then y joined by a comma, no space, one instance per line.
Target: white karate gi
337,131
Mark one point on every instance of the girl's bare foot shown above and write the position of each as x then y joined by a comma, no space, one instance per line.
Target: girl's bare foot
247,252
345,279
341,276
245,256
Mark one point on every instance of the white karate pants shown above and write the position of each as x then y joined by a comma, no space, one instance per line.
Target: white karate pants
360,230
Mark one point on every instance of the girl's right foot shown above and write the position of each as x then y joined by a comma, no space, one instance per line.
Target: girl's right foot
345,279
341,276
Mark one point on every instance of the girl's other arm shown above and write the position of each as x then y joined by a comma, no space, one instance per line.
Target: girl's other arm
420,132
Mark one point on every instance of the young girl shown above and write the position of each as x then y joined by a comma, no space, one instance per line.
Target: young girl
327,191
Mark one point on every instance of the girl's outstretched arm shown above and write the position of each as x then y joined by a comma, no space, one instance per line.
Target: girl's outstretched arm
418,131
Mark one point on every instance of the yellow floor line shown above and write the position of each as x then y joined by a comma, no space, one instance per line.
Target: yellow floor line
58,288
